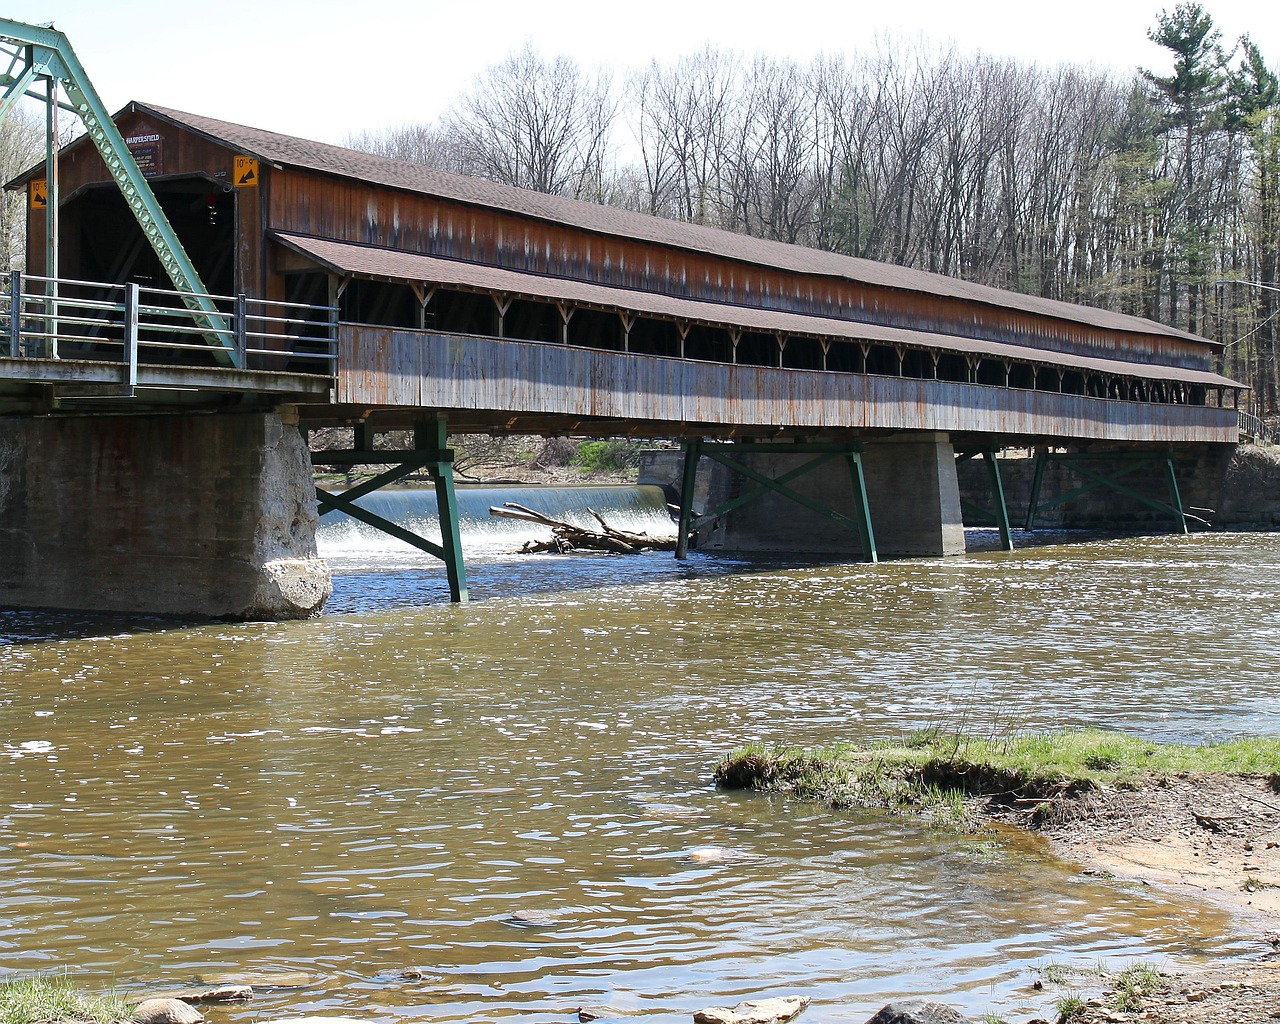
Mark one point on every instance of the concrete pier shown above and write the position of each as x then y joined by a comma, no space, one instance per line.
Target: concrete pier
912,492
205,515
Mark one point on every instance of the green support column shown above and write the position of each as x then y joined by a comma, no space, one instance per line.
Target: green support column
1036,481
997,492
692,453
1175,498
859,480
435,434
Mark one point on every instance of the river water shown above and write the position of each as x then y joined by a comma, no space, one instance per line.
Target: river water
513,796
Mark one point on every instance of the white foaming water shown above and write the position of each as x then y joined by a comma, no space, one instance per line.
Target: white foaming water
348,543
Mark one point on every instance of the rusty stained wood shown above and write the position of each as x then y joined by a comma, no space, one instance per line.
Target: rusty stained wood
336,208
330,206
384,367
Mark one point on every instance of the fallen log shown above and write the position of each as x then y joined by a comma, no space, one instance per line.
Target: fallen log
567,537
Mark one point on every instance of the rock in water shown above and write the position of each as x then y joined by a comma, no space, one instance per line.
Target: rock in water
166,1011
918,1011
220,994
763,1011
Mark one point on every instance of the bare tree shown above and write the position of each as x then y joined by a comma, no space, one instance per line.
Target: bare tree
537,124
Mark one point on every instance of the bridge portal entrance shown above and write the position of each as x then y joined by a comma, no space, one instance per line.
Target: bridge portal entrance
102,241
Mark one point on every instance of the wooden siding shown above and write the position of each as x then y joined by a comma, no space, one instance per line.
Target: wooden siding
384,367
330,207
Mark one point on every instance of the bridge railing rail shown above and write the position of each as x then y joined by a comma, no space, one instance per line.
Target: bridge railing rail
62,318
1254,428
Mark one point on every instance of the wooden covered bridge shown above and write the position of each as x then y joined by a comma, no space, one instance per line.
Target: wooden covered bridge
385,295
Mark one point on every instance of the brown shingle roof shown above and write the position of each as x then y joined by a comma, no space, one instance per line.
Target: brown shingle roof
395,264
287,150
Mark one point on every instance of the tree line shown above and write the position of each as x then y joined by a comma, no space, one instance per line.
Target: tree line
1141,193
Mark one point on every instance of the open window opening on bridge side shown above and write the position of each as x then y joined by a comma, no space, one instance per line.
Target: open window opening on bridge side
757,349
953,367
992,372
882,360
801,353
652,337
1023,376
596,328
1073,383
708,343
527,320
379,302
452,311
846,357
1047,378
917,363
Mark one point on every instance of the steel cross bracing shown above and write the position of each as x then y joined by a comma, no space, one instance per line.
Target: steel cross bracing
42,52
1121,464
730,454
430,452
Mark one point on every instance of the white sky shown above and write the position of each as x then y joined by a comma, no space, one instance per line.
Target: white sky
324,68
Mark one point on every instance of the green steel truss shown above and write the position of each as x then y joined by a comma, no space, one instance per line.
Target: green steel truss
730,454
430,452
41,52
1112,468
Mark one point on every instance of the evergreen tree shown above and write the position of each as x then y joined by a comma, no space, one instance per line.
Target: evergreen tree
1192,98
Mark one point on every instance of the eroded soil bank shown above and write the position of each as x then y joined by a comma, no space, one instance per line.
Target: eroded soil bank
1210,835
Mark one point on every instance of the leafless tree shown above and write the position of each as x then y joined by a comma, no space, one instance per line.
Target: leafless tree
535,123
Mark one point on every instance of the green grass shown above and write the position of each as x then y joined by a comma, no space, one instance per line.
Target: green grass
1131,984
932,770
45,998
1070,1006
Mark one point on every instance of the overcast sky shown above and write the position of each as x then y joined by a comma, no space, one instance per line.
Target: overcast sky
326,68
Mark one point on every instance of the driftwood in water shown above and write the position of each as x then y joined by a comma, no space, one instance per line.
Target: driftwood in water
568,537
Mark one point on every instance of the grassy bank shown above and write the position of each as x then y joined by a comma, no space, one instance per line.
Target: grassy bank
933,773
47,998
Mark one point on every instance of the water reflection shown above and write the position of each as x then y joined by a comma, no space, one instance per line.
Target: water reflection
513,796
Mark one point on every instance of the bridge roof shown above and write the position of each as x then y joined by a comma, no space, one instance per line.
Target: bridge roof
290,151
395,264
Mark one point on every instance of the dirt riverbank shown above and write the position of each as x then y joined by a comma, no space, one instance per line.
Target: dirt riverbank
1198,835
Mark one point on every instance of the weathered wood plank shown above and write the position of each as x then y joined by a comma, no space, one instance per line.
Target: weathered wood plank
378,367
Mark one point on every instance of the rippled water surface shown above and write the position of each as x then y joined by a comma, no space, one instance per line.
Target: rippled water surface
514,797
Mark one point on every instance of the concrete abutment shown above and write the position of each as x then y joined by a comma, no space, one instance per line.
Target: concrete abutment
194,515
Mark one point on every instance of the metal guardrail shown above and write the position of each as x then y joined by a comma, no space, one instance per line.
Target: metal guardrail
60,318
1253,428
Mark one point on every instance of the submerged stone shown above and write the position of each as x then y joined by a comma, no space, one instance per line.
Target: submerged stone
918,1011
762,1011
166,1011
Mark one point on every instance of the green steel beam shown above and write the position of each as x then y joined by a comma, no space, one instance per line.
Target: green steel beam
434,434
1131,461
689,481
340,502
49,54
999,513
430,438
861,524
864,507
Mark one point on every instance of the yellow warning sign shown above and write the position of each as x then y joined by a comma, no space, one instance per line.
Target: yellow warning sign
246,171
38,190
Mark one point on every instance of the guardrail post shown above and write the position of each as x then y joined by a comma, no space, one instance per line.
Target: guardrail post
242,332
15,313
333,340
131,337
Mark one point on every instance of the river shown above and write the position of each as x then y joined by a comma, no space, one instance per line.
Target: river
513,796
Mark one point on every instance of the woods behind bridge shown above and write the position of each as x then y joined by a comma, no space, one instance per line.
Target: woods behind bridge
1134,192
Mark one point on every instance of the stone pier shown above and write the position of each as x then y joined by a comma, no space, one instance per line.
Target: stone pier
194,515
912,493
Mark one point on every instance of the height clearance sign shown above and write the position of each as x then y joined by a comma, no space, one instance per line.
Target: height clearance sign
245,171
